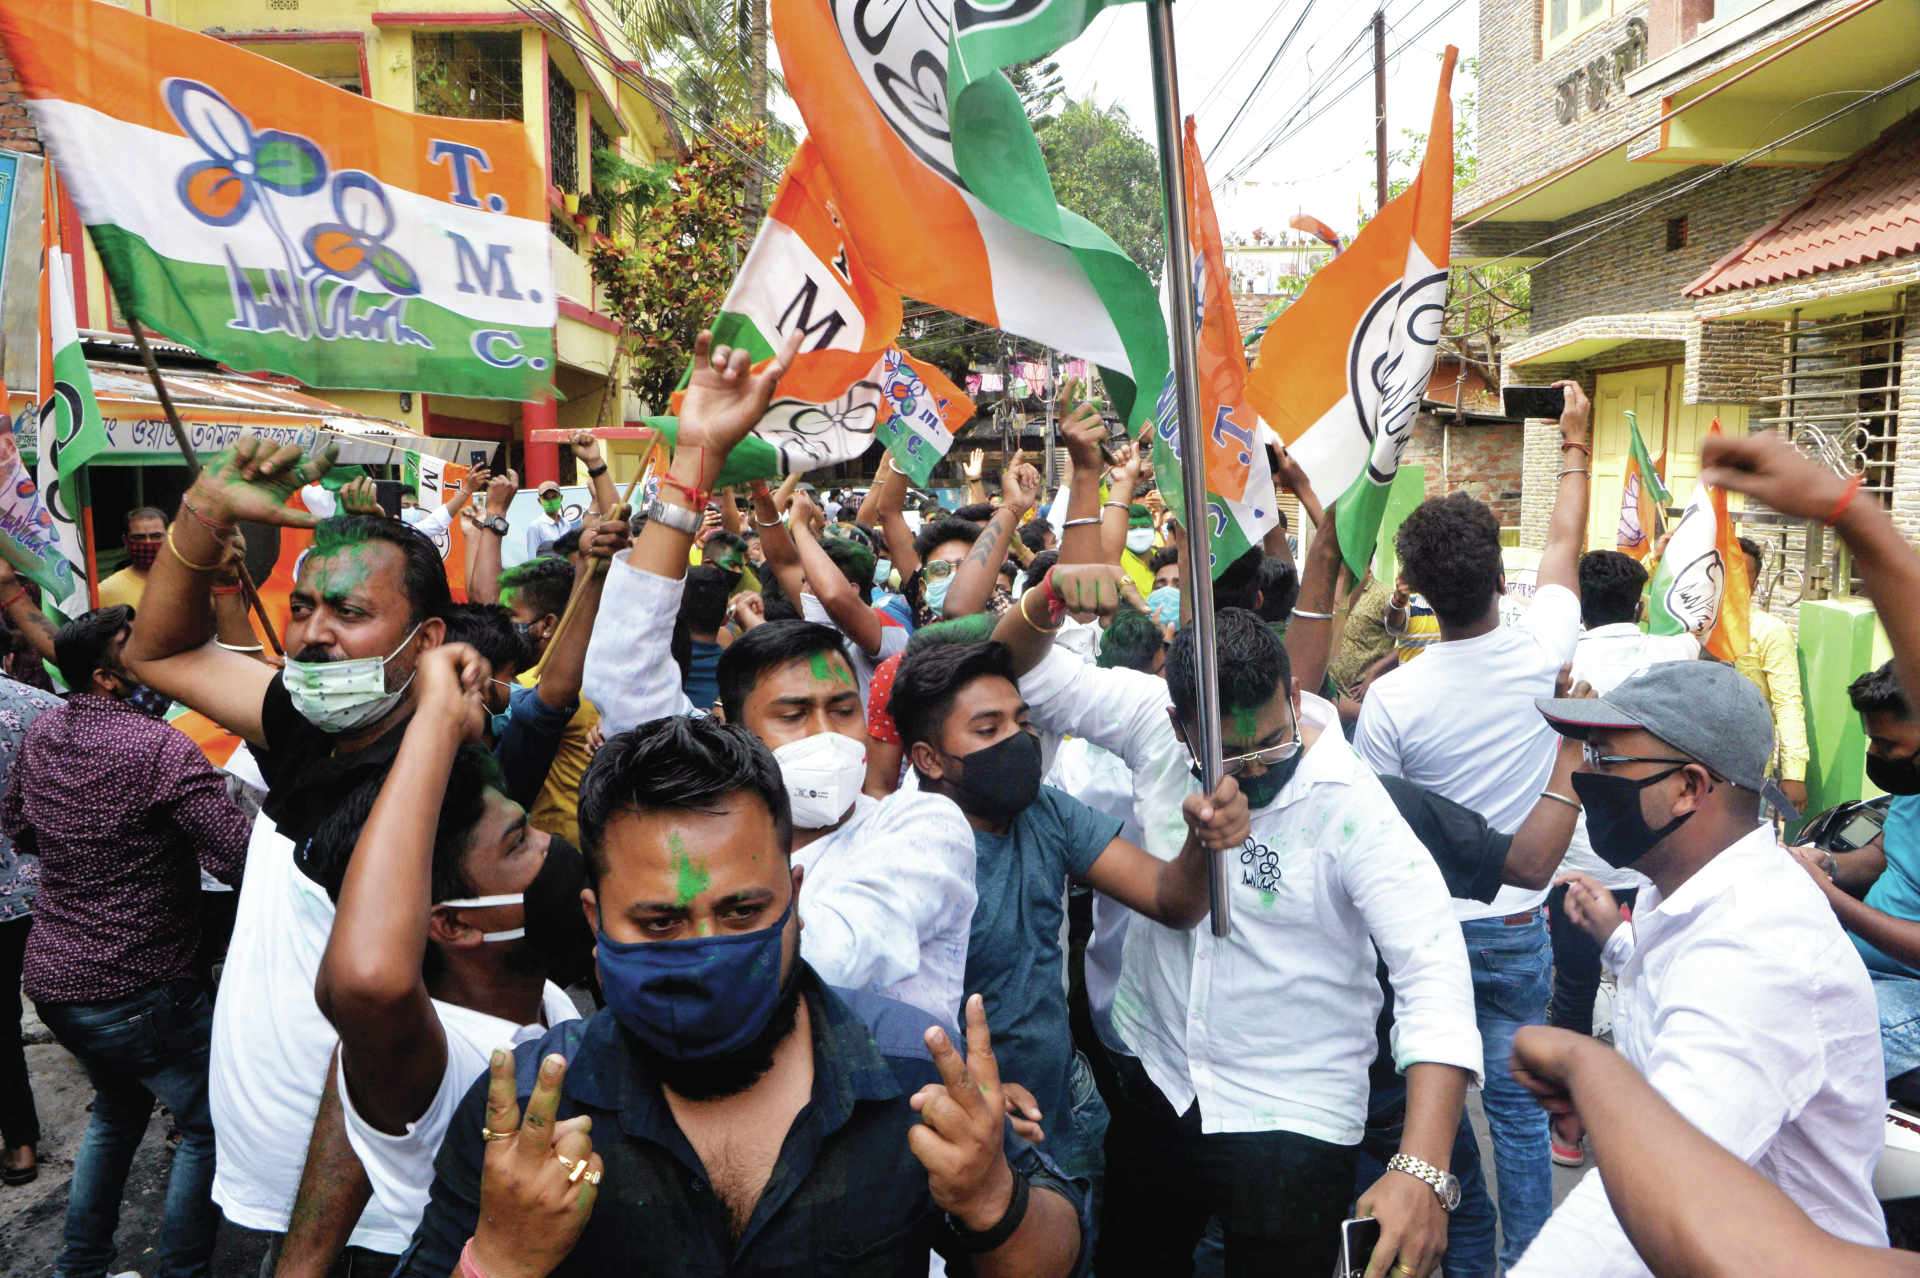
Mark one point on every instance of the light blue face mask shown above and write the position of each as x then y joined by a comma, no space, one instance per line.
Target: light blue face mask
1163,605
936,593
497,723
882,570
339,696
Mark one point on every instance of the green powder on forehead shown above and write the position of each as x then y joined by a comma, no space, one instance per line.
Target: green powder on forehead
1246,721
826,671
690,876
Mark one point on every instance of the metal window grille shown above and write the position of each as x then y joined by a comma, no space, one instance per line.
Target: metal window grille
563,231
598,138
468,75
563,131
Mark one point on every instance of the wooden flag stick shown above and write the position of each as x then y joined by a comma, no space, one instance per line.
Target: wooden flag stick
193,471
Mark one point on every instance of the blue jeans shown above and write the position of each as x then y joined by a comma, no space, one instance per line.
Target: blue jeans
1899,1000
1470,1228
1512,977
150,1044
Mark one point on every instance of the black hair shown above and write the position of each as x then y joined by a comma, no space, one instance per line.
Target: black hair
425,577
565,546
768,647
473,773
1010,570
1279,589
978,512
704,605
80,647
859,534
145,512
1131,640
489,628
930,678
1450,553
1875,692
1253,665
682,763
938,532
1753,550
1238,586
854,561
545,582
1033,534
1163,557
721,537
1038,566
774,604
1610,587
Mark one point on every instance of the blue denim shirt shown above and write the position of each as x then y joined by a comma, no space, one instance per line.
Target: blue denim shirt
846,1196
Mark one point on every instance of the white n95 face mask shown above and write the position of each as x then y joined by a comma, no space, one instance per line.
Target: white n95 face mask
823,775
339,696
1139,540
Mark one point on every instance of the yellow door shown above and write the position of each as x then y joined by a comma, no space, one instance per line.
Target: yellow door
1642,391
1690,425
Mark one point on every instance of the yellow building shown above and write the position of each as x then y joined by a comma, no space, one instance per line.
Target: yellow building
563,67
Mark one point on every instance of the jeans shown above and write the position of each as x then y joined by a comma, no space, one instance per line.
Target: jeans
153,1043
1280,1195
1576,963
1899,1000
19,1123
1470,1228
1511,974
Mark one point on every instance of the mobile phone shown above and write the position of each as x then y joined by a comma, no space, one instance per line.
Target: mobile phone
1858,832
387,493
1358,1238
476,457
1544,402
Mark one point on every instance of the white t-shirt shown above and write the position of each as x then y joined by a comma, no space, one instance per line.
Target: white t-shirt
1100,779
271,1046
1605,656
1461,721
893,640
401,1167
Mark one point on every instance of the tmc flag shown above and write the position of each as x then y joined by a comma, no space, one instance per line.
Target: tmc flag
1701,587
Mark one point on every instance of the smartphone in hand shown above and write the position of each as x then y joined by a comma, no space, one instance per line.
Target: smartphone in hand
1358,1238
1543,402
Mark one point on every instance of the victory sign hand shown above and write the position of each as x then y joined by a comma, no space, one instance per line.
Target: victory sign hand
540,1178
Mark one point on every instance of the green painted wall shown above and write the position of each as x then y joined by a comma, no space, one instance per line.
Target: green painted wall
1839,640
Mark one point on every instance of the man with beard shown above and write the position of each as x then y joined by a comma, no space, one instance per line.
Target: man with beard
370,600
440,950
964,725
748,1117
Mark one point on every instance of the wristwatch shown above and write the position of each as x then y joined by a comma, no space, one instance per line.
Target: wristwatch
678,518
498,524
1445,1184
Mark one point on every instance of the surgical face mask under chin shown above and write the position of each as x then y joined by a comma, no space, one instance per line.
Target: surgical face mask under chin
823,774
1139,540
339,696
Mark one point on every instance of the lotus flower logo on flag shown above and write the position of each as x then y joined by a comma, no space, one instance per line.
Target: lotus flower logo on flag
942,184
1240,505
1341,372
1701,587
1642,497
270,220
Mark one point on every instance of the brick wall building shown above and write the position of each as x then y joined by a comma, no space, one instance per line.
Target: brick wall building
16,127
1721,223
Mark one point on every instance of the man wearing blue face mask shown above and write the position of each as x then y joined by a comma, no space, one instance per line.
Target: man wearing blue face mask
452,913
370,600
746,1116
1228,1108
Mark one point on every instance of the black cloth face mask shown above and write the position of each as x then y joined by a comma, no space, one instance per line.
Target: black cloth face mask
1895,776
1003,779
1616,828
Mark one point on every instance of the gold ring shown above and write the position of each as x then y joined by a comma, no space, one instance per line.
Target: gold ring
564,1161
487,1133
1403,1269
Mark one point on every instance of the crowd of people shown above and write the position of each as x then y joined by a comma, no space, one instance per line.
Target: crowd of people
781,882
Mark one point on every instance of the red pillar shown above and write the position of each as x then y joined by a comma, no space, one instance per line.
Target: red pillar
543,460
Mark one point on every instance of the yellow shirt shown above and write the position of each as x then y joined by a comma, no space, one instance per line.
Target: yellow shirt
1136,568
122,588
557,809
1772,661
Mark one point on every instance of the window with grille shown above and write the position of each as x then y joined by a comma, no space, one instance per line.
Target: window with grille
468,75
563,131
563,230
1840,392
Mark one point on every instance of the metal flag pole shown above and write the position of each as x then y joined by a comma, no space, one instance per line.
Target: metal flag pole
1193,470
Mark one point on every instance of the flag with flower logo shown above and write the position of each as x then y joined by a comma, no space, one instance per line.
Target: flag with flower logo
272,221
924,409
1642,497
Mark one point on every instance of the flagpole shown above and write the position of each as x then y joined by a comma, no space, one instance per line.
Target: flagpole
1193,469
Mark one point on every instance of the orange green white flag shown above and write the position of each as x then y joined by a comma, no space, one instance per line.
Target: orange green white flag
272,221
1341,372
1701,587
1643,496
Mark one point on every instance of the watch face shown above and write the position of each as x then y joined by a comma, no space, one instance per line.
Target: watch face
1450,1192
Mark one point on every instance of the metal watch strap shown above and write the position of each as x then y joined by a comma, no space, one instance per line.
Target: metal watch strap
1432,1175
678,518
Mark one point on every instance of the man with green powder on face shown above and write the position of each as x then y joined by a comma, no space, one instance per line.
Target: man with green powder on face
1247,1096
551,526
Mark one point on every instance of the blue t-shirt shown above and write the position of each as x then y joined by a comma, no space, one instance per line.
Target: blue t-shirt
1013,951
702,684
894,606
526,749
1897,890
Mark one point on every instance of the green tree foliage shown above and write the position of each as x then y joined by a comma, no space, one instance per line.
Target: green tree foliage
1107,173
668,284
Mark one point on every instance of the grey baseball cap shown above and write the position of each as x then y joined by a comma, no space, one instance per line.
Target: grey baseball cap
1704,709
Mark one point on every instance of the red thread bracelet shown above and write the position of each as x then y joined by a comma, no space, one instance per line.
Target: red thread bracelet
1056,603
228,590
1846,499
1565,444
218,529
13,599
